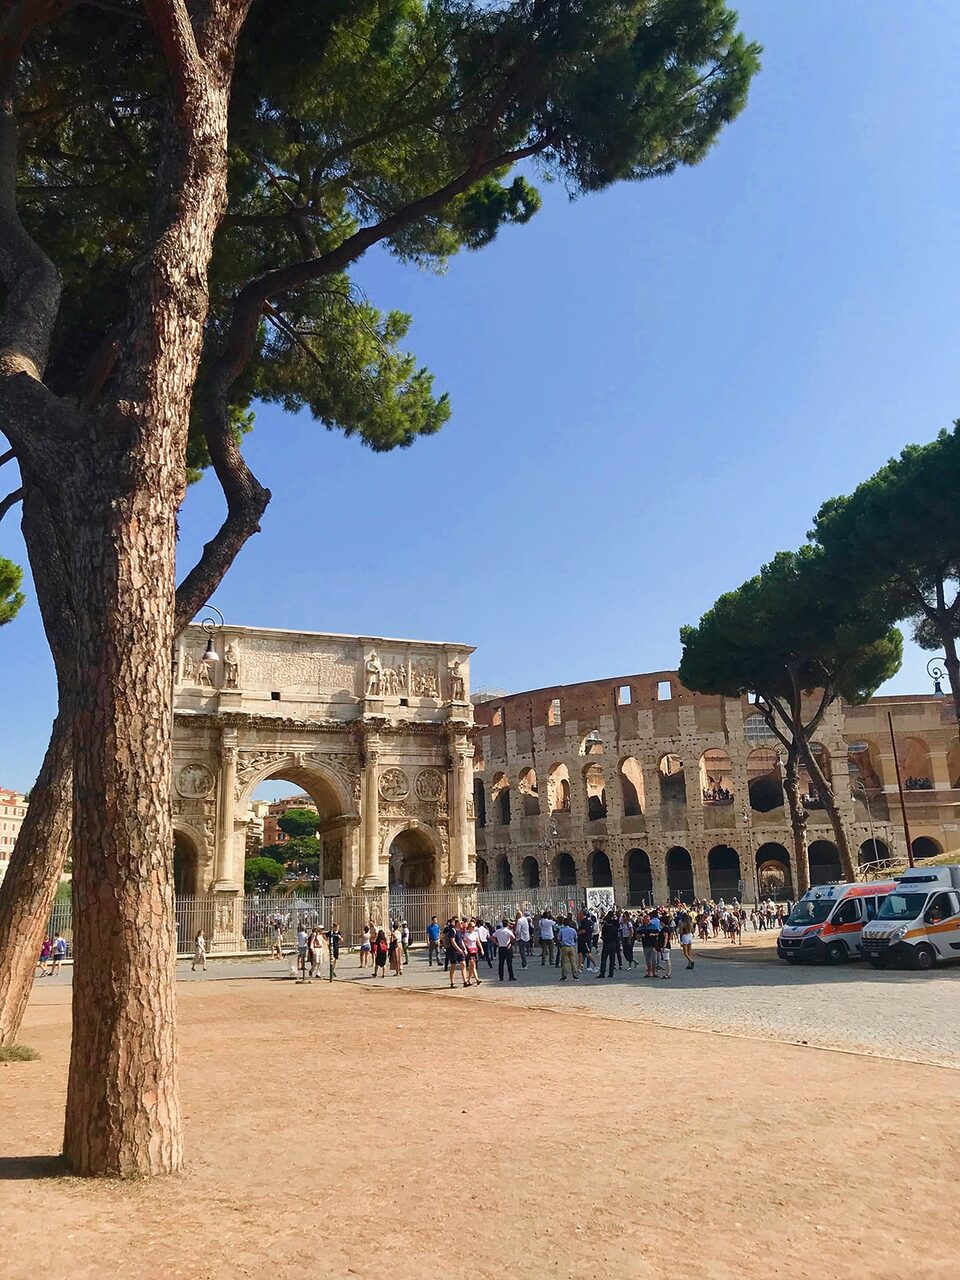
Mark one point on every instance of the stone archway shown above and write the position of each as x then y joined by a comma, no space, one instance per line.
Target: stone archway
187,877
414,856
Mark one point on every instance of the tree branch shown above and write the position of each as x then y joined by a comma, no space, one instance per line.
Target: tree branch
7,457
178,45
248,308
246,500
10,500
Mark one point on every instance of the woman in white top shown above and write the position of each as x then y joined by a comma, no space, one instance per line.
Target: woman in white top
471,943
199,952
366,947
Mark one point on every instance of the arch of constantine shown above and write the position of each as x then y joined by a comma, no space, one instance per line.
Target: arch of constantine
376,731
639,783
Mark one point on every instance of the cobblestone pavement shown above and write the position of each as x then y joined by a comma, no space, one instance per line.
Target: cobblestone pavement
894,1014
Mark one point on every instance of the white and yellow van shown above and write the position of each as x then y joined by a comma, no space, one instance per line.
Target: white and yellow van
826,923
918,922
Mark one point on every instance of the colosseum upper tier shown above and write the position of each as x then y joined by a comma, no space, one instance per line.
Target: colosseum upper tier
639,783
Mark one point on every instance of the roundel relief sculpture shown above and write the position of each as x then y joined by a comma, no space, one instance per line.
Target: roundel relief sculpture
429,785
194,781
394,784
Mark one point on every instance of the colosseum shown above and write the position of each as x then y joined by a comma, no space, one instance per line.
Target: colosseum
639,783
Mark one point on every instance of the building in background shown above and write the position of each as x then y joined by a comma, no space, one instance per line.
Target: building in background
272,832
13,809
637,783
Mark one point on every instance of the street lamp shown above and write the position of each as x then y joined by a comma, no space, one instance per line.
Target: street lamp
937,671
210,626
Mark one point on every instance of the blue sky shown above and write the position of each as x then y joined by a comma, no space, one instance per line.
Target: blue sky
653,388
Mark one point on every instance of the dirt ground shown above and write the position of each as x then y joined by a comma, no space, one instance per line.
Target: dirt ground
373,1132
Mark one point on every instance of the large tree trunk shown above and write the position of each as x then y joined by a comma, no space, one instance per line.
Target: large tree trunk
825,791
30,885
798,822
123,1108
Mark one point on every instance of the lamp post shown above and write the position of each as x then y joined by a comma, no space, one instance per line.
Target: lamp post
210,626
937,671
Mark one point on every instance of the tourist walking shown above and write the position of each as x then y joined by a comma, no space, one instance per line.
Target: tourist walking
456,954
334,941
626,939
59,954
315,951
277,952
546,928
405,940
567,938
395,951
585,943
483,931
433,941
199,952
303,940
471,944
46,951
505,940
649,928
609,940
380,949
366,946
521,931
685,924
664,961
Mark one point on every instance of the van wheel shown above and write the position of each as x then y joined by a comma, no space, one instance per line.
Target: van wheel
836,953
923,958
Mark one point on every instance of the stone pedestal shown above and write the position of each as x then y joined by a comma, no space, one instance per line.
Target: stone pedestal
227,931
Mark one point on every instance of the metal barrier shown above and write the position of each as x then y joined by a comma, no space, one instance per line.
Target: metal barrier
250,922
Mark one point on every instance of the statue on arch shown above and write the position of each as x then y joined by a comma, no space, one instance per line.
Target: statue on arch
374,676
458,691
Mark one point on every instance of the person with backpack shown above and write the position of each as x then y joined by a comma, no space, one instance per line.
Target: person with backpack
456,952
59,953
380,949
610,943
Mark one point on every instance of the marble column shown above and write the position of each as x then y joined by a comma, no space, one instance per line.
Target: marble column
225,876
459,823
370,817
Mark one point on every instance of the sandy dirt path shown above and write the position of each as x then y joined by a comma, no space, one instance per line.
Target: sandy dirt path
363,1132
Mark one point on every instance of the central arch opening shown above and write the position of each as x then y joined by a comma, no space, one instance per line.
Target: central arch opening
303,826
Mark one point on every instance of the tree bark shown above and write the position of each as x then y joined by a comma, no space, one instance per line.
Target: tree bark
825,790
798,821
30,885
952,663
123,1108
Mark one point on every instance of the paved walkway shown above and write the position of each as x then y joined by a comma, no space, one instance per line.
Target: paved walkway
894,1014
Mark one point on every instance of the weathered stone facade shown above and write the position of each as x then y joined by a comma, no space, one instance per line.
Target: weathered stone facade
375,731
637,781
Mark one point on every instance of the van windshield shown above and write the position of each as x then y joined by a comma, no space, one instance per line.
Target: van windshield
811,912
901,906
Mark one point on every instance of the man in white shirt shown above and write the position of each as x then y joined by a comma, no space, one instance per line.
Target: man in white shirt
522,930
483,933
568,950
302,951
505,939
547,928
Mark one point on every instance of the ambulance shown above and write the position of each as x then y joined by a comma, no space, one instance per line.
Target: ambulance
918,922
826,922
